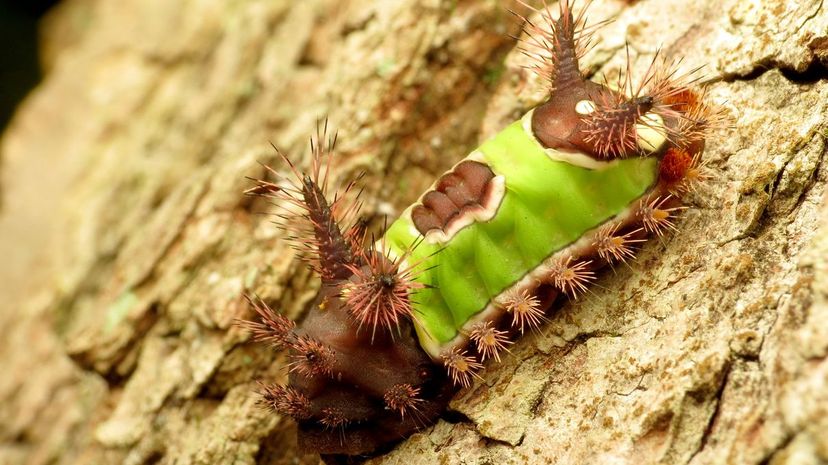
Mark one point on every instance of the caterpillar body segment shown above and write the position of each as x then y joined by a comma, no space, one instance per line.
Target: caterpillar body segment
548,201
402,322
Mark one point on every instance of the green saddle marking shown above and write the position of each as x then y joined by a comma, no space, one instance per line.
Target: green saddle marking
548,204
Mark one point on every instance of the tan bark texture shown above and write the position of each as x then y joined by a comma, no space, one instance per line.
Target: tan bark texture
127,244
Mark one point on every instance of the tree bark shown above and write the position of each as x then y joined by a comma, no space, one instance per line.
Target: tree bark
129,244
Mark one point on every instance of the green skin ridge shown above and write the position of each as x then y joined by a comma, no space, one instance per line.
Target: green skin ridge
548,204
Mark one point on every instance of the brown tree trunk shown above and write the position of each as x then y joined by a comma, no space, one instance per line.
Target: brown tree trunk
127,243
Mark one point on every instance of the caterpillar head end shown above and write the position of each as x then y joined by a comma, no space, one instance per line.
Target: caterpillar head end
610,120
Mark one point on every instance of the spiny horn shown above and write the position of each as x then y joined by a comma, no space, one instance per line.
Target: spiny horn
332,248
273,328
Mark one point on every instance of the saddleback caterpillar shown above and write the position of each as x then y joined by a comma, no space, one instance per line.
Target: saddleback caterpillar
523,221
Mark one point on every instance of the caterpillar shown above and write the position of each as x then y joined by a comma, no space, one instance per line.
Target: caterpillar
519,225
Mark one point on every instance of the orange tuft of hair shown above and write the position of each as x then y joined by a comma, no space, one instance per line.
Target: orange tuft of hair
683,100
674,165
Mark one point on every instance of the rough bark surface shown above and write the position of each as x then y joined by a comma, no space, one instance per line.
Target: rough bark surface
127,243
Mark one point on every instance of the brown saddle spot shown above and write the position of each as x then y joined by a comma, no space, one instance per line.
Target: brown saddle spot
461,189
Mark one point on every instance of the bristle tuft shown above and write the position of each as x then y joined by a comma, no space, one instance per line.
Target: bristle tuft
403,398
682,173
610,128
311,357
656,217
674,166
698,174
616,247
285,400
524,307
571,278
333,417
274,328
489,341
676,98
378,294
461,367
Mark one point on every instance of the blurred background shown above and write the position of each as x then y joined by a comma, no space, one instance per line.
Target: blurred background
20,68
